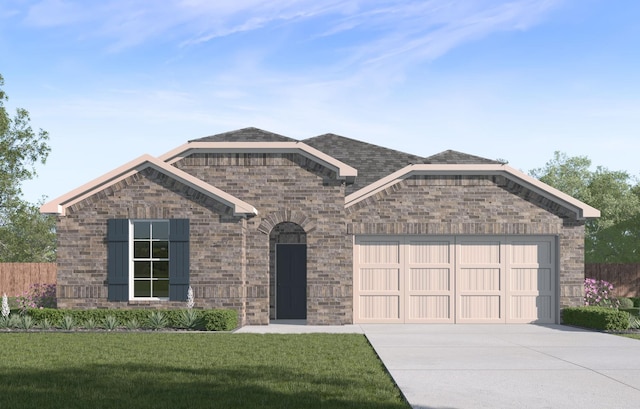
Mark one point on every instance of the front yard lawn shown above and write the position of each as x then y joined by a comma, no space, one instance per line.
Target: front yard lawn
182,370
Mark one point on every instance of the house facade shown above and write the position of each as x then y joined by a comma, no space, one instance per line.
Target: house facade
328,229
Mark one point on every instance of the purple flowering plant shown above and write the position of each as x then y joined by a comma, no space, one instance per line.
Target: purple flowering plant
38,296
599,293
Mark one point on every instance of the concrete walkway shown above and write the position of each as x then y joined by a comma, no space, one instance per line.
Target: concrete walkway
500,366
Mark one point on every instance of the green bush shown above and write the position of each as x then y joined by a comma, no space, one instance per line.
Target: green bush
52,315
219,320
210,320
632,311
624,303
601,318
636,301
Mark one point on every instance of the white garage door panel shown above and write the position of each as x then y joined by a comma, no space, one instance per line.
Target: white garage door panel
446,279
429,293
379,281
479,308
383,279
379,307
480,280
531,293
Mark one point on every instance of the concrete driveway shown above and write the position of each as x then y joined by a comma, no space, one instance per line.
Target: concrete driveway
508,366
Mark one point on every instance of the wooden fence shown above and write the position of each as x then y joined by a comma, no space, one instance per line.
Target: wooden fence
624,277
18,277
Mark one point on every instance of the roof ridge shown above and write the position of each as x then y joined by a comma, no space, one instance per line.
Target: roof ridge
453,156
250,132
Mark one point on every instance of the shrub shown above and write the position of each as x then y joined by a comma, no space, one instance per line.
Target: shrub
157,320
598,293
5,306
632,311
90,323
636,301
38,296
132,324
14,321
601,318
190,300
26,322
219,320
45,324
211,320
110,322
67,323
189,319
625,303
52,315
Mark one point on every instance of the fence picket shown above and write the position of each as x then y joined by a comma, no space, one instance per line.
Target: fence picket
18,277
624,277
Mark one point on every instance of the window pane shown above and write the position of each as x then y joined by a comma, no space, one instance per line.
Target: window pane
160,249
161,230
141,249
142,288
160,269
141,269
161,288
141,230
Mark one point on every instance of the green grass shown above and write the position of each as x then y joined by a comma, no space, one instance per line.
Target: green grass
636,336
177,370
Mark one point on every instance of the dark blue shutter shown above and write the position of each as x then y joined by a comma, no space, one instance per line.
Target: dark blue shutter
118,259
178,259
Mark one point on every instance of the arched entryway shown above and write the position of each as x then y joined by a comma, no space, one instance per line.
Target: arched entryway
288,272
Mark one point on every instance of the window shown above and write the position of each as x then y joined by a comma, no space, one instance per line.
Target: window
147,259
150,261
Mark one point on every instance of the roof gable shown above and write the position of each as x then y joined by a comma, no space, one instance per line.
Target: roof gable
245,135
582,210
373,162
455,157
343,171
59,205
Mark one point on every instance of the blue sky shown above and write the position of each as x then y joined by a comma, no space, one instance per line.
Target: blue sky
515,80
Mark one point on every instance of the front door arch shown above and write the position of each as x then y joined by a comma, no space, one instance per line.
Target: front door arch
288,272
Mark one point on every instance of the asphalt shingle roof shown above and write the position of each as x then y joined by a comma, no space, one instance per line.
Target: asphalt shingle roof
373,162
457,158
246,135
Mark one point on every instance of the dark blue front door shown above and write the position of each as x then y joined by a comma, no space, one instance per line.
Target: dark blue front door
291,276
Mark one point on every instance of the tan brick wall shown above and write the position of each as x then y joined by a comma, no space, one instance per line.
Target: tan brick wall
232,257
216,243
455,205
288,188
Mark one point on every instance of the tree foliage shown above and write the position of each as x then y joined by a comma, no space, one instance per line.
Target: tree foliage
25,234
615,236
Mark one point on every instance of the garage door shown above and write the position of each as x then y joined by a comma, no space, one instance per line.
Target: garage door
454,279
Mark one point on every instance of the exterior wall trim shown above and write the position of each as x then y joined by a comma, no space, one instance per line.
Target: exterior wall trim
59,205
582,210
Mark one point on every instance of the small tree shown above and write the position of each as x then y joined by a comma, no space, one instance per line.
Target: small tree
25,234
